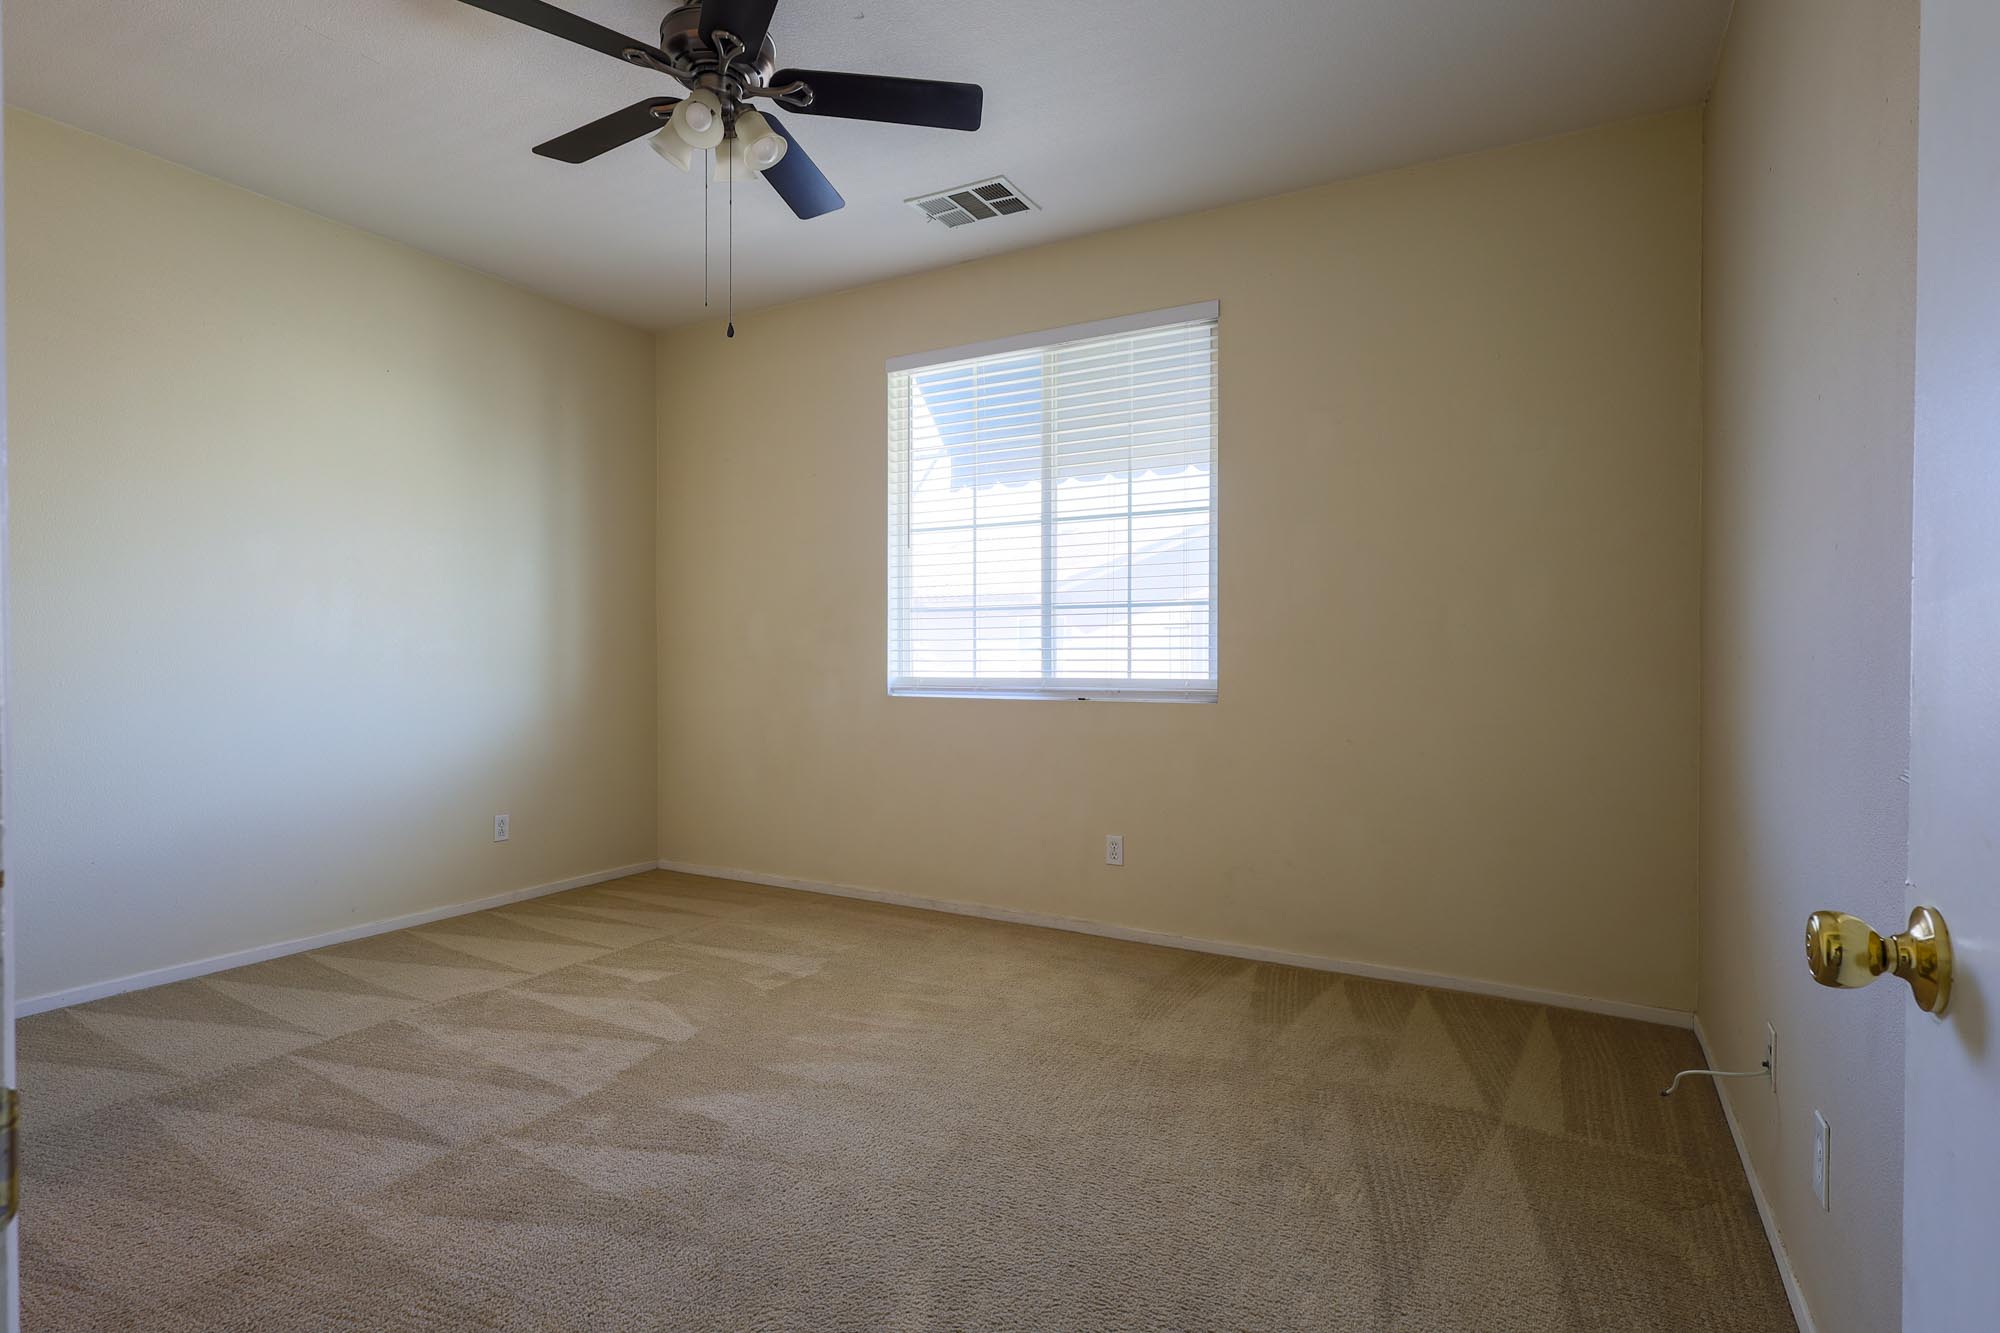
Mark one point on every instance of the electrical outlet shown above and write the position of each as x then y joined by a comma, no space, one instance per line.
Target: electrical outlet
1114,849
1822,1168
499,828
1771,1056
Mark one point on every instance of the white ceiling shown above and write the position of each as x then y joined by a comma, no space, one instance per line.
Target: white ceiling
413,118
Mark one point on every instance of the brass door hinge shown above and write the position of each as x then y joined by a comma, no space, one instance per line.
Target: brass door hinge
10,1135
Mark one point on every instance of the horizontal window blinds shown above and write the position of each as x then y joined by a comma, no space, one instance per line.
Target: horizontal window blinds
1052,516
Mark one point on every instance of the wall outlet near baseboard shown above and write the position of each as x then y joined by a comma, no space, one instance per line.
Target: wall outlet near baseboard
1114,849
1822,1166
499,828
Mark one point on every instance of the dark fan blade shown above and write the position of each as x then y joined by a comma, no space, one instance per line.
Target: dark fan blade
745,20
606,133
561,23
948,106
798,180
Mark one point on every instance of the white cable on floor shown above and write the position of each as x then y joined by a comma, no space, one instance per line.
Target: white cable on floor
1762,1071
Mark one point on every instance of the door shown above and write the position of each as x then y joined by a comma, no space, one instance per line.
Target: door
10,1315
1951,1150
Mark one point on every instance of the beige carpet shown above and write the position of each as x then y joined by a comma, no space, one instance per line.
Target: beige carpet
668,1102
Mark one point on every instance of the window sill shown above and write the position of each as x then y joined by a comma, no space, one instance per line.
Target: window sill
1080,695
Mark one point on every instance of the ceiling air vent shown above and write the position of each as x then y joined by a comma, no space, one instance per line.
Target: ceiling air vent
956,207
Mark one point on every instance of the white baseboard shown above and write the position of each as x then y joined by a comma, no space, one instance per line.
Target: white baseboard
35,1004
1786,1273
160,976
1561,1000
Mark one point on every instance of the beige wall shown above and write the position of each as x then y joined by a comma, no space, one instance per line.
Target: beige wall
1809,299
324,553
1460,475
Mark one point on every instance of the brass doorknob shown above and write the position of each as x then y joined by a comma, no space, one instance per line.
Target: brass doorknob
1842,950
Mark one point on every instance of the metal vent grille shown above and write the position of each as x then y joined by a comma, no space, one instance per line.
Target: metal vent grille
963,205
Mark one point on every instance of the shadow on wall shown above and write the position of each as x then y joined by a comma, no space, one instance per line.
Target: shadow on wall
353,551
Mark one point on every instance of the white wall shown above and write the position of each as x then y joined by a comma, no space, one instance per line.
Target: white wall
1809,304
10,1239
324,552
1460,562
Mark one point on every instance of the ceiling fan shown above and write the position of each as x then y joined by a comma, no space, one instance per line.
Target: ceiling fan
720,50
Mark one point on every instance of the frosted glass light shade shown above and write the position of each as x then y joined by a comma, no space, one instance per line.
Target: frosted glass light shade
729,164
669,144
700,108
761,146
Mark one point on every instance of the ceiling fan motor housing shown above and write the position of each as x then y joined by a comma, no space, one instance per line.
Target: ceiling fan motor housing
680,37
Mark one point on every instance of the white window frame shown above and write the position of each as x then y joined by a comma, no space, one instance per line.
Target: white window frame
1204,690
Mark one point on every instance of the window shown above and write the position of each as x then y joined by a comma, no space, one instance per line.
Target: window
1052,514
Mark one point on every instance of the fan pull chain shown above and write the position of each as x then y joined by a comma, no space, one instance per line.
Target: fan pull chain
705,164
